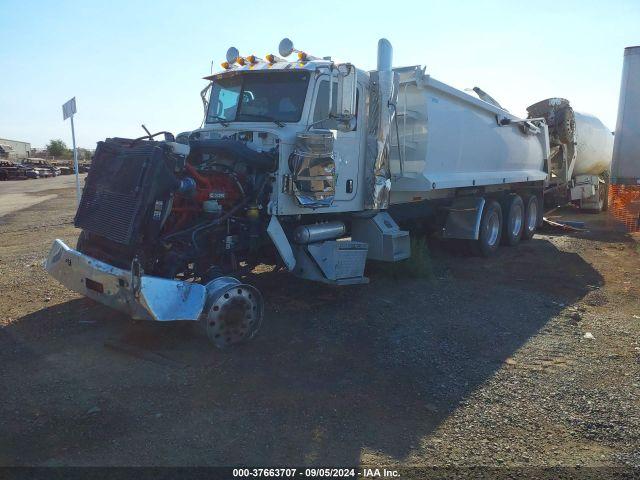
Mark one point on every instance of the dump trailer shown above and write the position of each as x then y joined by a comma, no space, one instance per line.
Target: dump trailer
626,153
308,164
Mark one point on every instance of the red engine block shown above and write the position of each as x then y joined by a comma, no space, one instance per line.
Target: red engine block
218,186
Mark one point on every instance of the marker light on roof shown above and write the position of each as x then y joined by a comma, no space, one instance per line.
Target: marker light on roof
271,58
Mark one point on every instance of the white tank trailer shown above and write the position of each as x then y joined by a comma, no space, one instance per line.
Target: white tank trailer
581,148
312,165
626,150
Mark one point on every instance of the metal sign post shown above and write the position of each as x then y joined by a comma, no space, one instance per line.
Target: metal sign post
68,110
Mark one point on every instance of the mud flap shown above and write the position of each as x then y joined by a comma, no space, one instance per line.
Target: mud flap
463,220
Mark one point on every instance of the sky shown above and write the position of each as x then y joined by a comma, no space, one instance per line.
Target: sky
134,62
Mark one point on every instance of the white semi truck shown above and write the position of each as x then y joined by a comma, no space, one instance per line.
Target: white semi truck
309,164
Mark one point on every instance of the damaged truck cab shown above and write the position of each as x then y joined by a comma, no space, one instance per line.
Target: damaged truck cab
306,165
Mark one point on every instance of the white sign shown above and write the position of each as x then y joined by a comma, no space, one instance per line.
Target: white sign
69,108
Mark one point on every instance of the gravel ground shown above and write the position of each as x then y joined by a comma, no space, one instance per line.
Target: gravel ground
531,358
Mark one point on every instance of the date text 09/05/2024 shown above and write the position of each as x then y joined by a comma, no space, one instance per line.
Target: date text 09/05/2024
314,473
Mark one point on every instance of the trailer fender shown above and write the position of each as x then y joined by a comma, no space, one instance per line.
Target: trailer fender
281,242
463,220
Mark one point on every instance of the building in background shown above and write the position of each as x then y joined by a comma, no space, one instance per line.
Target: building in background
14,149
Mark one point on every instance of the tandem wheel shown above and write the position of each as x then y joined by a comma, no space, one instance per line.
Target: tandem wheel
490,230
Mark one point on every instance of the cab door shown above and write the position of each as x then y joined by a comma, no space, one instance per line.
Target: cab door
347,145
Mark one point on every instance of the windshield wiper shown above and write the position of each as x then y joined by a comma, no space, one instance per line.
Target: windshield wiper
223,121
264,117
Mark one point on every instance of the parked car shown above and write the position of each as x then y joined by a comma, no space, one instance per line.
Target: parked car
44,166
41,172
15,171
28,171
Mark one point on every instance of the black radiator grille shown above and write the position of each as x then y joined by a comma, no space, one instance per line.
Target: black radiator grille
108,214
125,180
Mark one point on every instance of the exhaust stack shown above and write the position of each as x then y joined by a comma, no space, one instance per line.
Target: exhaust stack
380,183
385,55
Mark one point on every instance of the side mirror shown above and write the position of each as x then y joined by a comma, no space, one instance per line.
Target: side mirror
346,101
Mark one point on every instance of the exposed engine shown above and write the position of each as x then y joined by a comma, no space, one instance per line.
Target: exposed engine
176,211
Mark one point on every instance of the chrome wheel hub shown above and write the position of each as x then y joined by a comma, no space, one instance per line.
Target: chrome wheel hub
516,222
234,311
493,228
533,217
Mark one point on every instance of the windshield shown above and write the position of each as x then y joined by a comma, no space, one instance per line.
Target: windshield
258,97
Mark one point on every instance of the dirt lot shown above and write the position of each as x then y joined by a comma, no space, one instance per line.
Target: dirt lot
16,195
484,363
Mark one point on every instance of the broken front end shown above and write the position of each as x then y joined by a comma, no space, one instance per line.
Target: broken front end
165,225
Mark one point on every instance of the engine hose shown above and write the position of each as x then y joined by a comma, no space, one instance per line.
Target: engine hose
205,225
227,215
217,221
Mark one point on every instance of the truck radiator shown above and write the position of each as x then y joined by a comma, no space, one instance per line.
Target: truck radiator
127,183
108,214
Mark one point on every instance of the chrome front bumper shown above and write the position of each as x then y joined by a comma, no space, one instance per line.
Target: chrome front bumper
142,297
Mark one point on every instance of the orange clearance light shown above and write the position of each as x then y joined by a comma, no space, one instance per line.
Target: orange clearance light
252,59
241,61
302,56
271,58
225,65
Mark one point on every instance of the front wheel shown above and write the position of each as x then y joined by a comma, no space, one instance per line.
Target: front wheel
490,230
233,311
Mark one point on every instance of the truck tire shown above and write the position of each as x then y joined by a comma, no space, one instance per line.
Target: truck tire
531,214
490,230
512,220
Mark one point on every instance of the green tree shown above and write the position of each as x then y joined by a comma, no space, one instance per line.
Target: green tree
57,148
84,154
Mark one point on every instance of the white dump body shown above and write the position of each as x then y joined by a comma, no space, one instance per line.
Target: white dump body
594,145
449,139
626,153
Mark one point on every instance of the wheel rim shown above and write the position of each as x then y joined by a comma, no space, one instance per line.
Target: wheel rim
533,216
235,316
516,220
493,229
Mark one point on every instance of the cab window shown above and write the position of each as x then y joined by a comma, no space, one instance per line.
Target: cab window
321,109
